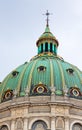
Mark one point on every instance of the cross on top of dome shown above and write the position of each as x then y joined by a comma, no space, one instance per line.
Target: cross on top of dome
47,14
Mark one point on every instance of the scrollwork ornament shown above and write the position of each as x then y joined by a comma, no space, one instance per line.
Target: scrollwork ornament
52,89
27,91
15,93
65,91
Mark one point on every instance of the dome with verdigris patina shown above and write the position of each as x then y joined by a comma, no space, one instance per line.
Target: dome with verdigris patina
43,72
46,36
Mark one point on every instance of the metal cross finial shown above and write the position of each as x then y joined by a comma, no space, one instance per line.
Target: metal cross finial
47,14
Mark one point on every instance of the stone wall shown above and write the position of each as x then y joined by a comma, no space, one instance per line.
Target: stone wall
22,113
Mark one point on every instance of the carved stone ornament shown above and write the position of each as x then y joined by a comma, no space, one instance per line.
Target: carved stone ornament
19,113
15,93
19,124
65,91
60,110
39,127
27,91
52,90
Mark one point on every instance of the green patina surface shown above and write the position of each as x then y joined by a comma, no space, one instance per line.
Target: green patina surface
47,35
55,73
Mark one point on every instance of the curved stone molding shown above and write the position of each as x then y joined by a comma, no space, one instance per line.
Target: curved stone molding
75,122
39,125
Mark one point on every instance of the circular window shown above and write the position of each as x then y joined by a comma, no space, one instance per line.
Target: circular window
8,95
40,89
75,92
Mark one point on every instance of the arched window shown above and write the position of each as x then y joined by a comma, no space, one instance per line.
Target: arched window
77,126
46,47
4,127
19,124
55,49
39,125
41,47
50,47
59,124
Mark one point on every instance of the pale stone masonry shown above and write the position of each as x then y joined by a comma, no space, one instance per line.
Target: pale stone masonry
59,114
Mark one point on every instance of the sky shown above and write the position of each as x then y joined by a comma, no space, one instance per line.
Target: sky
22,22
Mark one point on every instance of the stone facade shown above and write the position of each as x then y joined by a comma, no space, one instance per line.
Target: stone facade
41,113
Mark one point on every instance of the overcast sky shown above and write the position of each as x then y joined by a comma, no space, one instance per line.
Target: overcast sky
22,22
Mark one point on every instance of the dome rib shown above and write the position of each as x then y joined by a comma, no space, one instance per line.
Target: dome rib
20,81
24,83
64,67
62,74
30,76
52,74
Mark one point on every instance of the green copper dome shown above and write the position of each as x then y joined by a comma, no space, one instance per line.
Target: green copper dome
47,35
44,71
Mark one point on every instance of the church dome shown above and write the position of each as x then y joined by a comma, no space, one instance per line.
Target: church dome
45,73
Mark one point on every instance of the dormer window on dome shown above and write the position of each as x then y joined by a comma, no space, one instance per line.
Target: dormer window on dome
15,73
41,68
75,92
8,95
40,89
70,70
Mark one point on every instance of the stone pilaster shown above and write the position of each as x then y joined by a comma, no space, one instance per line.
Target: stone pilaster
25,123
67,123
26,119
52,94
53,123
13,125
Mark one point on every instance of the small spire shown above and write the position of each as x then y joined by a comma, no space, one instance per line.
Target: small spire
47,14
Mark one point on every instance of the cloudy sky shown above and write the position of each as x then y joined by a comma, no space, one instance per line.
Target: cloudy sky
22,22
